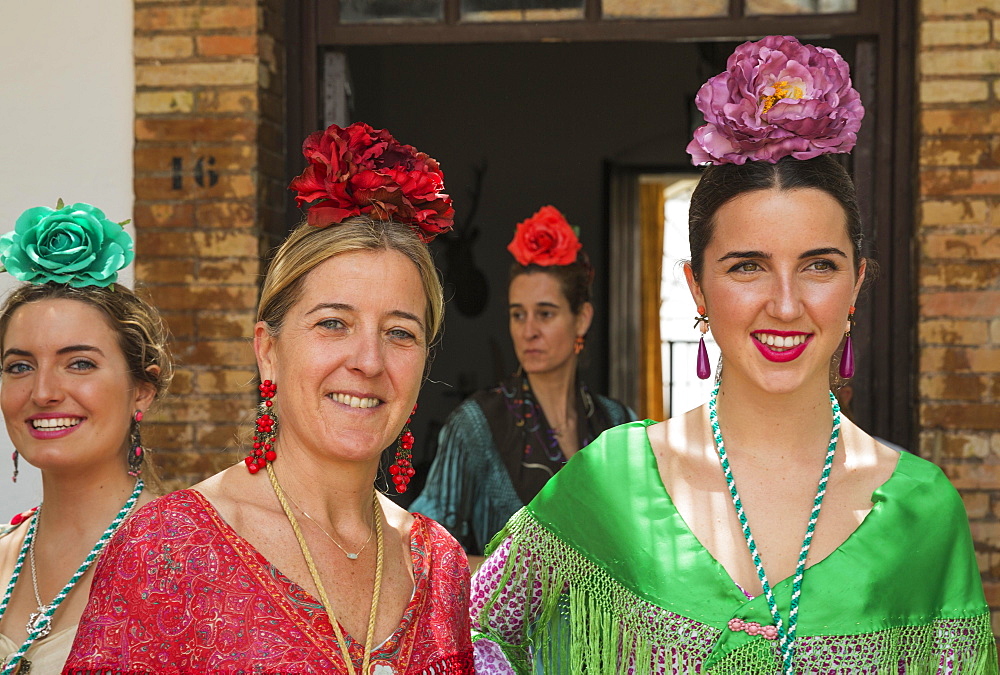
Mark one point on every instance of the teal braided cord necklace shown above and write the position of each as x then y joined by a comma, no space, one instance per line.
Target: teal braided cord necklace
786,637
39,624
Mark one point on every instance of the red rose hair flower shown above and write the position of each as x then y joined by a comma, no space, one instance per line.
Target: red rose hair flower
545,239
358,170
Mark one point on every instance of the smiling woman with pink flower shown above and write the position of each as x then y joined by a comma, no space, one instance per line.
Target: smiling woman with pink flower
762,533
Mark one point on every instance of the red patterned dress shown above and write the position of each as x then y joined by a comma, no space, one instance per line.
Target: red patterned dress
179,591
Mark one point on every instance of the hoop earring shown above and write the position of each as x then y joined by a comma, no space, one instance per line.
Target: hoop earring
402,470
847,358
264,433
14,457
136,453
702,367
579,344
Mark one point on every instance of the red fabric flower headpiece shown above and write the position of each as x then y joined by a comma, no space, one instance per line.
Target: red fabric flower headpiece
358,170
545,239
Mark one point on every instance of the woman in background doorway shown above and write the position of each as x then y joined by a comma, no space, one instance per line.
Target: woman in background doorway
500,446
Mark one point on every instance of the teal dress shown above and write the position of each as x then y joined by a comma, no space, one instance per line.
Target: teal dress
600,574
496,451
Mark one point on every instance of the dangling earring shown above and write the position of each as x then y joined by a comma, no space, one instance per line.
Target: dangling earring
847,358
263,439
136,453
703,369
14,456
402,471
578,346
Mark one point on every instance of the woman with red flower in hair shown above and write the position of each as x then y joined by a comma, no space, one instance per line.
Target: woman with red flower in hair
291,560
500,446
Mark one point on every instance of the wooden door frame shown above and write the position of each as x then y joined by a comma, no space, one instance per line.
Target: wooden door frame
884,162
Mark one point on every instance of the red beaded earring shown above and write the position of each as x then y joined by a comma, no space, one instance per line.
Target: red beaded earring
263,439
402,470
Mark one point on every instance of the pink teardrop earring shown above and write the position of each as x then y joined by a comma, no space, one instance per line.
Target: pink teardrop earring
847,358
704,370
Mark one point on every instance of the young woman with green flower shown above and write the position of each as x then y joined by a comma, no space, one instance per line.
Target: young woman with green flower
82,359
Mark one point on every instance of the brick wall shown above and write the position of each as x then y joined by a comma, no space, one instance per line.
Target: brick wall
208,160
958,225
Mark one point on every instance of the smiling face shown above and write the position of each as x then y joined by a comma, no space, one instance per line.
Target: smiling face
350,356
67,396
542,325
778,282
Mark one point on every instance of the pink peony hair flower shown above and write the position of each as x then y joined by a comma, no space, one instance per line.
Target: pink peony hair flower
777,97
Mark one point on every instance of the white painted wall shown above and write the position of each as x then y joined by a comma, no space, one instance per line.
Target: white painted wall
66,130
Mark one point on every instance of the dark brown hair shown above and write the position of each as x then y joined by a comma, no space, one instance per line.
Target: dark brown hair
721,183
575,279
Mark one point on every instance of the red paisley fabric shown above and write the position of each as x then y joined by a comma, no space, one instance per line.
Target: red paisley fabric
179,591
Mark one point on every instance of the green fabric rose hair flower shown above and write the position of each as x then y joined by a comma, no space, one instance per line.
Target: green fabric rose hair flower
75,245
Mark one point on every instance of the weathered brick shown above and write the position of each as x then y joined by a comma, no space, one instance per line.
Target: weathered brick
146,214
977,505
974,245
217,157
195,74
982,304
226,244
232,186
193,18
180,324
942,182
965,359
982,416
245,271
234,45
195,129
163,47
161,435
168,271
952,332
196,408
237,100
226,325
937,444
183,382
194,463
955,387
226,381
205,298
954,212
225,214
994,332
960,62
950,151
929,8
954,91
226,435
988,535
974,476
973,274
960,121
952,32
163,102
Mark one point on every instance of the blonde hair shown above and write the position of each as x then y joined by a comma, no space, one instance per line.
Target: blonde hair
308,246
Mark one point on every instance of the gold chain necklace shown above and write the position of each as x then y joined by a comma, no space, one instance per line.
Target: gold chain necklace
341,640
350,556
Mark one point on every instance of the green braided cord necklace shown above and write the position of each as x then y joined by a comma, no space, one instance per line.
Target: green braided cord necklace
39,625
785,636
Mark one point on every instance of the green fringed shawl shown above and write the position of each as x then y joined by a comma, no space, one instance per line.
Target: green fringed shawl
626,586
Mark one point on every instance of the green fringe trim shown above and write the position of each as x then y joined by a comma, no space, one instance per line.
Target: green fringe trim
592,624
